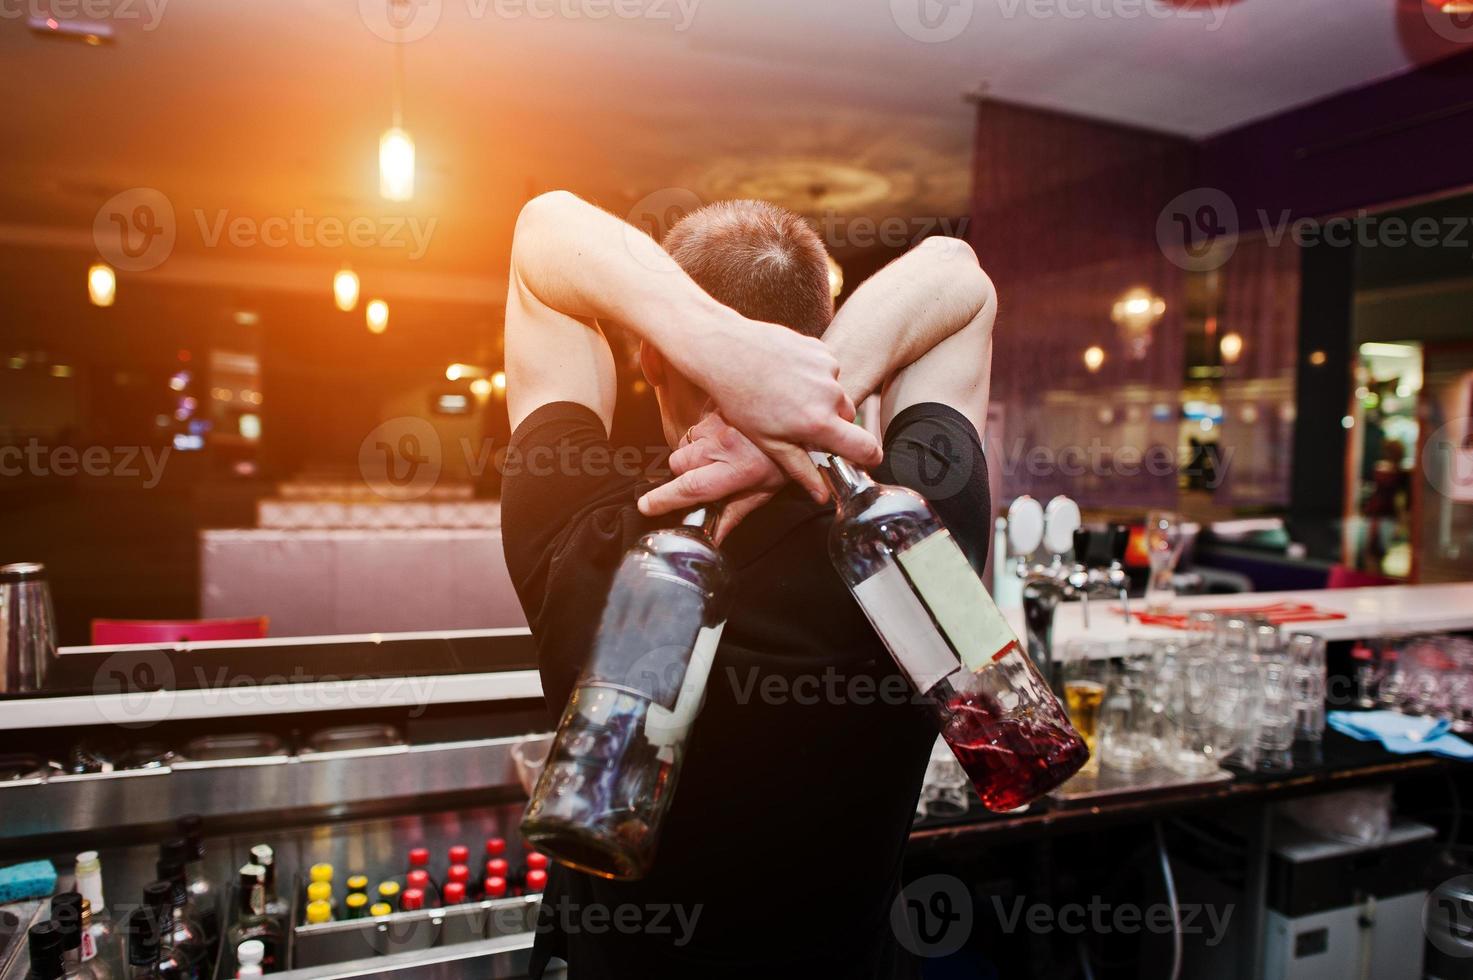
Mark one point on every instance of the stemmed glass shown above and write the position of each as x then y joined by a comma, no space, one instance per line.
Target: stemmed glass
1164,540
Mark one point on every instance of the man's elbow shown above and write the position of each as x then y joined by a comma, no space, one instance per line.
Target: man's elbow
540,211
965,270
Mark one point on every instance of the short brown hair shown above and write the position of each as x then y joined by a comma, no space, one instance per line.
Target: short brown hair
761,260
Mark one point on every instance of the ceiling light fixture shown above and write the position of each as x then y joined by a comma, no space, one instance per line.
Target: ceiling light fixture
345,289
1094,358
377,316
395,147
1135,313
102,284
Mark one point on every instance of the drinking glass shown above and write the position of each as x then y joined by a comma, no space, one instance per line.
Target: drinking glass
1164,540
1277,713
1124,726
1307,656
1085,672
1237,712
1193,696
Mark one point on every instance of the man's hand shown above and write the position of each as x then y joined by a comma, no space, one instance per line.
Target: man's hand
781,390
718,463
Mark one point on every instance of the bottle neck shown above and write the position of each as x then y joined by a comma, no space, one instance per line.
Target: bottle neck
703,519
843,477
89,884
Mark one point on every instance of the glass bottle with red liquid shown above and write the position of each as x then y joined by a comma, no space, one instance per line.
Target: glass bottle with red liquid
1003,724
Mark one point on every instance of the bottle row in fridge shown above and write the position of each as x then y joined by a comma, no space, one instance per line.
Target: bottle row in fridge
341,899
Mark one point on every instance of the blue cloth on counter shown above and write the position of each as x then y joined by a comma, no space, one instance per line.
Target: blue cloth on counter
32,879
1399,733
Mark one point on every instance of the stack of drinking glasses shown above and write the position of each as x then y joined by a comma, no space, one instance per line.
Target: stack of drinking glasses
1233,690
1418,675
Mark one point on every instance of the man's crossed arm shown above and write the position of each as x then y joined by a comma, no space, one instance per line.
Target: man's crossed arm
920,330
574,265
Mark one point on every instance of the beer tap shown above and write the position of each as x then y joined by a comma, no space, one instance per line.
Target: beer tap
1098,567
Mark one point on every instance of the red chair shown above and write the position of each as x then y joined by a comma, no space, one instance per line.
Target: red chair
108,632
1345,577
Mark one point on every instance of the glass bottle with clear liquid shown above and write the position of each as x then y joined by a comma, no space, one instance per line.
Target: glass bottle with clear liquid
601,799
1001,721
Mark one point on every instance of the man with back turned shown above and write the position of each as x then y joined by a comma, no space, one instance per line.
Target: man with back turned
782,849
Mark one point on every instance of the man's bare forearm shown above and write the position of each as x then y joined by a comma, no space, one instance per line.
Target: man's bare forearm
934,291
583,261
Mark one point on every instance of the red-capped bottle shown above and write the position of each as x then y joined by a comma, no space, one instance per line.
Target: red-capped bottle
495,847
536,881
454,893
460,854
536,861
495,887
497,868
411,899
419,858
458,873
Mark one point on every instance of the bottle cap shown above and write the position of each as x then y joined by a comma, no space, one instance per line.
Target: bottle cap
497,868
536,881
319,891
419,857
175,850
495,887
250,952
191,828
358,883
46,950
66,912
536,861
318,911
495,847
412,899
158,894
460,854
458,872
388,889
321,872
263,855
143,938
87,863
355,900
454,893
378,909
418,878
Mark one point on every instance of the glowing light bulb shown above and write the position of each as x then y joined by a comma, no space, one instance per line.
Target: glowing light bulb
1093,358
102,284
498,380
377,316
1231,347
345,289
481,388
395,165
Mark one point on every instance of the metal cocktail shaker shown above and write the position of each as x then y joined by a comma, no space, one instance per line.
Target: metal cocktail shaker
27,627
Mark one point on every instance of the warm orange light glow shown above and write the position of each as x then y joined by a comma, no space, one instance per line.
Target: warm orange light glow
395,165
1317,358
498,380
836,278
1094,357
102,284
345,289
377,316
481,388
1231,347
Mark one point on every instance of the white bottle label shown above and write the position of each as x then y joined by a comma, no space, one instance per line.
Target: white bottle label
957,600
89,945
665,726
902,622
